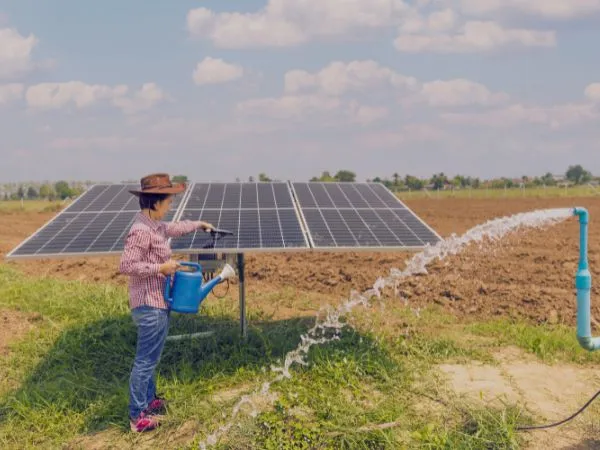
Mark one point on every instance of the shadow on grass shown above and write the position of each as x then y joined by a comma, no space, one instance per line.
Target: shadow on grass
86,373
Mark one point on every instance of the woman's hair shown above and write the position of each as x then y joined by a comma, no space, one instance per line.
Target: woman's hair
149,201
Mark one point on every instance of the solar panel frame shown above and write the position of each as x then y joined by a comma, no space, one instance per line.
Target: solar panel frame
392,204
75,211
283,203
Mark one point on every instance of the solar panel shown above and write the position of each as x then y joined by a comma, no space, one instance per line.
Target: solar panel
359,216
262,216
95,223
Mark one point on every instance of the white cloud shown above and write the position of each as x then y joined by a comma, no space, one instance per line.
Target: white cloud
407,134
460,92
289,106
365,114
329,110
474,36
10,92
284,23
340,77
438,21
326,98
59,95
144,99
592,92
552,9
214,71
557,116
15,52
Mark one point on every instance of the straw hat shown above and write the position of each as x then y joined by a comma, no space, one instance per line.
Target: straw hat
159,183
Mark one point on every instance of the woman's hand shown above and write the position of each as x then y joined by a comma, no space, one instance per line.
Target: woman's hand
169,268
204,225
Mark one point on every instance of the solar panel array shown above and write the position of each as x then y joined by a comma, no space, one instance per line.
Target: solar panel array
262,216
96,223
359,215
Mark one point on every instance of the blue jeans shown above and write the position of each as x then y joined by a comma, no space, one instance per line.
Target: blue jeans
152,328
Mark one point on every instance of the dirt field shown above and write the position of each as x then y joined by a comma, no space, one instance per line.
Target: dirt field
530,275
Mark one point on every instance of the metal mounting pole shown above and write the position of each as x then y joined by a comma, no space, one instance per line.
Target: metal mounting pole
241,275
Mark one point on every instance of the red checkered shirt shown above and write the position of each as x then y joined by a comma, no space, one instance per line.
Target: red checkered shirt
146,248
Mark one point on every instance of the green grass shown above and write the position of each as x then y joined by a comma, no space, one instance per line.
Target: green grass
482,193
12,206
69,377
551,344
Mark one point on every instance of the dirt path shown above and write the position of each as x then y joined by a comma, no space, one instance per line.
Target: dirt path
549,393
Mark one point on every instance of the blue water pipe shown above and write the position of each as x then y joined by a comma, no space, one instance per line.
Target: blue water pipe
583,283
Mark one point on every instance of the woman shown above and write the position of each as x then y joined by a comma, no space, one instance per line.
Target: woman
147,260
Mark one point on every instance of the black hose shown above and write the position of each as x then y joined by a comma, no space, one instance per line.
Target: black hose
552,425
225,294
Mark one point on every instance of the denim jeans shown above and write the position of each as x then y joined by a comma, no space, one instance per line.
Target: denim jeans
152,328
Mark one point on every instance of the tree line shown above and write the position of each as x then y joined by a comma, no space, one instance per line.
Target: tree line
60,190
574,175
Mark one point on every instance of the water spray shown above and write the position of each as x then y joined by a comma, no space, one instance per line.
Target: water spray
492,230
583,283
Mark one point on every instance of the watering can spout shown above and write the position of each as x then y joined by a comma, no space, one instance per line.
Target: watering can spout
583,283
207,287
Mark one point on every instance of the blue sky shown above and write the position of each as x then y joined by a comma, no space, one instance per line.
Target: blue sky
219,90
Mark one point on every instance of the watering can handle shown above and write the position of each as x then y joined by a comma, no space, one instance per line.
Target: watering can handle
167,290
196,266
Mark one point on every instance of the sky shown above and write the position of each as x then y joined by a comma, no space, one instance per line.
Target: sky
113,90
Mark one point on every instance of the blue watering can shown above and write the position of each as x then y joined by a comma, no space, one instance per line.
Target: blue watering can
188,290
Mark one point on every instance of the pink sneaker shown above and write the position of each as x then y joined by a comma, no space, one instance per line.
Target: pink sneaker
157,406
145,422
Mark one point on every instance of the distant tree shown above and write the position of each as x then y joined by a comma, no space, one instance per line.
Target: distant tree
377,180
476,183
345,176
251,179
45,191
263,178
32,193
396,178
578,175
439,180
21,192
413,183
325,176
6,196
180,179
63,190
548,179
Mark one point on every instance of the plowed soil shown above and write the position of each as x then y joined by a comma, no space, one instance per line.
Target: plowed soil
528,275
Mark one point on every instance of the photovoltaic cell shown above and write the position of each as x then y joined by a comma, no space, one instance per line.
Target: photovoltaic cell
359,215
262,216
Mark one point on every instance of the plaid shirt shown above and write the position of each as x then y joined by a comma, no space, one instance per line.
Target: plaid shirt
146,248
